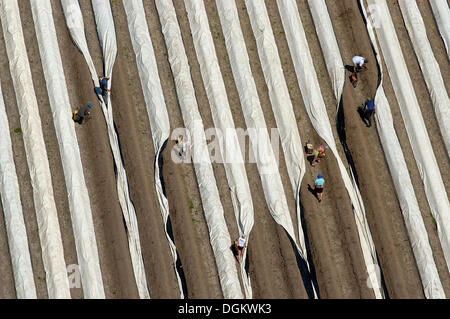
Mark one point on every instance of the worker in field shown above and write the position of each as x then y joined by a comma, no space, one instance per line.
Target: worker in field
104,85
80,114
318,187
182,146
367,111
240,244
318,154
359,63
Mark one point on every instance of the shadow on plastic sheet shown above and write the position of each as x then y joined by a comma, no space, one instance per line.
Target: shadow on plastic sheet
308,276
178,265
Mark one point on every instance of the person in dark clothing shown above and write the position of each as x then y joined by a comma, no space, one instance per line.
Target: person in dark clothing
367,111
104,85
79,115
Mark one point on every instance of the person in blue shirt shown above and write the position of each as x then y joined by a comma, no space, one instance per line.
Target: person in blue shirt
104,85
367,112
318,189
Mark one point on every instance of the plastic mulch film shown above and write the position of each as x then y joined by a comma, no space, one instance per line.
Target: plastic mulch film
13,216
44,202
281,106
315,107
254,117
441,14
412,216
229,146
106,34
79,203
414,124
154,100
212,207
429,66
329,45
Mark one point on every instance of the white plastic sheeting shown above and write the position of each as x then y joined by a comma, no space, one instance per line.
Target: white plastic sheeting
441,14
415,126
13,216
223,121
154,100
399,171
212,207
315,106
403,185
412,216
329,45
46,214
254,116
430,68
79,203
281,105
106,33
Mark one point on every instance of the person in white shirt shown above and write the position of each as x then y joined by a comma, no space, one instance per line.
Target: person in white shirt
241,243
360,63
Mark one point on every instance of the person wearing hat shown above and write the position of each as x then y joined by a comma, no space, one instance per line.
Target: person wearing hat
318,154
79,115
318,189
104,85
360,63
240,243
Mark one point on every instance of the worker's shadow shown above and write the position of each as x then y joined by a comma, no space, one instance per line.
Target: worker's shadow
312,191
310,159
360,111
350,68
